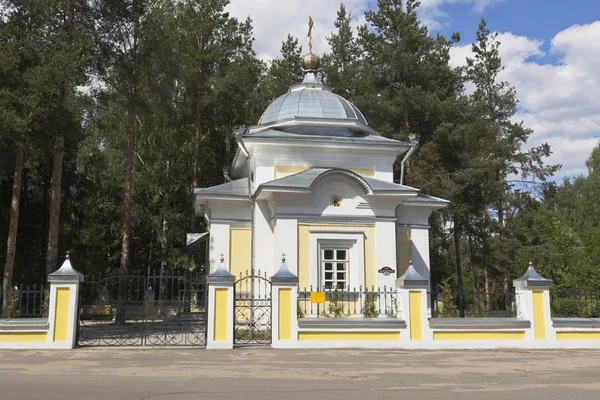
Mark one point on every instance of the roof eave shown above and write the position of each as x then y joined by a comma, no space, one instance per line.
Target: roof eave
314,122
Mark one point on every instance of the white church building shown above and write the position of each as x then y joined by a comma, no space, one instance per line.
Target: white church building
313,181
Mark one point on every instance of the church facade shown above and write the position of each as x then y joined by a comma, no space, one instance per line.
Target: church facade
315,182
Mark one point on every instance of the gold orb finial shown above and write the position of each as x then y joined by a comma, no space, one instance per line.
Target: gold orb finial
222,257
530,263
283,257
310,62
68,257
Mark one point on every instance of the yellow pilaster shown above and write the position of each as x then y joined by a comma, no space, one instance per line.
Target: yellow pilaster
416,315
285,314
61,323
539,319
221,313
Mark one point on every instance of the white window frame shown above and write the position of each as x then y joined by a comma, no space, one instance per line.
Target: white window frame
352,240
334,267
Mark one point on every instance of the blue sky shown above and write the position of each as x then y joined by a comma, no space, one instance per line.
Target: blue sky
550,50
533,18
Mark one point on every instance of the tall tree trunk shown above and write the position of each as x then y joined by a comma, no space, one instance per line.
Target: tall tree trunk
127,206
12,234
196,152
458,267
57,168
163,238
501,233
52,250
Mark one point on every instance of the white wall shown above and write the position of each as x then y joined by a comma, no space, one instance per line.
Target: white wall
219,244
286,242
385,251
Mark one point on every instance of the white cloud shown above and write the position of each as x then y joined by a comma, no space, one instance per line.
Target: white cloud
274,19
432,14
559,101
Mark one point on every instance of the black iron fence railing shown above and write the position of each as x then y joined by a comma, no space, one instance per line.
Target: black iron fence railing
359,302
474,304
27,301
575,303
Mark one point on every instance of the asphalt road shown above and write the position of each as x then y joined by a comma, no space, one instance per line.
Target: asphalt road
265,374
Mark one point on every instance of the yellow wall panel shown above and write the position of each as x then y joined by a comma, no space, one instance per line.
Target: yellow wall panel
304,251
23,337
281,171
539,319
578,335
349,336
221,313
285,314
479,335
370,172
416,316
61,323
239,251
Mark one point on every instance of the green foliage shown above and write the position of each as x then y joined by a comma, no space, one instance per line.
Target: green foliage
447,306
335,306
370,309
299,310
575,308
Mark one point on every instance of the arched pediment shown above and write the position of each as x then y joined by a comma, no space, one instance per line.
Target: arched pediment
343,172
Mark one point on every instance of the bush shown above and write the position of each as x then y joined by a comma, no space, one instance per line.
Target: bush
336,305
370,308
299,310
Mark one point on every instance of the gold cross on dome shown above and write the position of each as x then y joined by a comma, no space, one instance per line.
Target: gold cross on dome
310,27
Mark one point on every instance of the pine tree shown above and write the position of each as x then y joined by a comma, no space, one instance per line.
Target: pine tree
495,102
69,37
339,67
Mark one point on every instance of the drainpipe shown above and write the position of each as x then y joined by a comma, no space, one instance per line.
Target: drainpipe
238,137
414,143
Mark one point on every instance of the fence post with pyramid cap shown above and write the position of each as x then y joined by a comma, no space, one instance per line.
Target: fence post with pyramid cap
284,286
219,332
63,307
532,294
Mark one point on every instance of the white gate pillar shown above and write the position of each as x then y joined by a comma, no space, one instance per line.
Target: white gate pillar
219,329
284,321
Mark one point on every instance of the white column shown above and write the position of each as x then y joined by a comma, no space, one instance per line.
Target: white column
286,242
284,300
420,250
219,243
220,313
385,251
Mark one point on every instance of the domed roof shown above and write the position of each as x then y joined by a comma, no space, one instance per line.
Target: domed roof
311,100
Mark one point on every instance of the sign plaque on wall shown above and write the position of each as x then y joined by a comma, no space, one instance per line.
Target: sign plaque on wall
386,271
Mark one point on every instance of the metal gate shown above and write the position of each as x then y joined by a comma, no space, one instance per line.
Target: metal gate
143,310
252,310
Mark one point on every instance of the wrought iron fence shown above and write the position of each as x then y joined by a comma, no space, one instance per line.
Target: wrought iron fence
498,303
166,309
575,303
361,302
27,301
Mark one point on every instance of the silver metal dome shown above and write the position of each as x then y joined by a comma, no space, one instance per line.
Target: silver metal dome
311,100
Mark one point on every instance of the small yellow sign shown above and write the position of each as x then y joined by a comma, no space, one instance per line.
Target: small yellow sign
317,297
